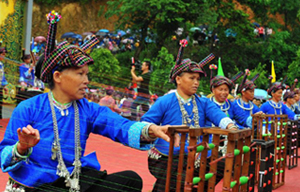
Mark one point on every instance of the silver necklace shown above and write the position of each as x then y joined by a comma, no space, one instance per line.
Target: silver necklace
186,117
71,180
274,105
243,107
225,110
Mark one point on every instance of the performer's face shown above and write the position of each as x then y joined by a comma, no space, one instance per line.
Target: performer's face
291,101
221,93
296,97
277,95
72,82
248,94
188,83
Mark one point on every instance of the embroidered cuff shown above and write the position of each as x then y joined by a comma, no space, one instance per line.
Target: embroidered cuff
134,136
145,133
224,122
8,160
21,157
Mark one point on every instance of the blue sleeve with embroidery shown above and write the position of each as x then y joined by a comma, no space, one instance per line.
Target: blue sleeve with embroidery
287,111
18,119
214,114
155,113
265,108
239,115
7,161
111,125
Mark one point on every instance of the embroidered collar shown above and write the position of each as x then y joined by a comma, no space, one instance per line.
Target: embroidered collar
225,106
275,104
241,105
61,106
185,101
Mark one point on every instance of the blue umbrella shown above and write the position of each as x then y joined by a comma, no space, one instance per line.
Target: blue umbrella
76,36
102,34
68,35
256,24
230,32
193,29
104,30
260,94
121,33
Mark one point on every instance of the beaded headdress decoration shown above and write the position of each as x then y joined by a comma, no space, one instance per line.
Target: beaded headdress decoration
220,80
290,93
247,84
187,65
63,54
276,86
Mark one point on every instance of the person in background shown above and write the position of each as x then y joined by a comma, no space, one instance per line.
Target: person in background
143,95
26,70
297,100
289,99
246,89
27,81
257,102
3,81
109,101
275,105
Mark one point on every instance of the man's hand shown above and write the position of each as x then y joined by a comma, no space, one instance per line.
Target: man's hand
161,132
259,113
132,68
232,127
28,137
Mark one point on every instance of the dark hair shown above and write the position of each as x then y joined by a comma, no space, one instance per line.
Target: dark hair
27,56
59,69
109,91
180,75
148,63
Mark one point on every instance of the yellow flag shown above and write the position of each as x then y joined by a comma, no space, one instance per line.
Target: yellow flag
273,72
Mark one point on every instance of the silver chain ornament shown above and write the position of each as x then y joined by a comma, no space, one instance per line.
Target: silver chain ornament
71,180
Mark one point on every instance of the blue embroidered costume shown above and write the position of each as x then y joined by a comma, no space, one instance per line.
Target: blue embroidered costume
271,107
36,112
232,110
166,111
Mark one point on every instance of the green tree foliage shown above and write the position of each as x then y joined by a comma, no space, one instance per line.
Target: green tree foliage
105,68
163,16
238,52
294,68
55,2
162,66
262,81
